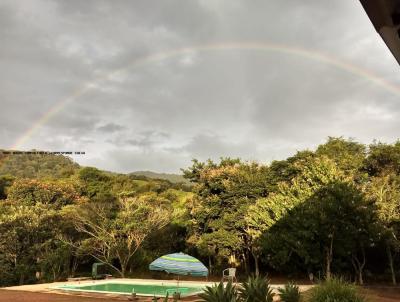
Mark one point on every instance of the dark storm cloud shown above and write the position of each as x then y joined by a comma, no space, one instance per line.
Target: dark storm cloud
110,128
159,111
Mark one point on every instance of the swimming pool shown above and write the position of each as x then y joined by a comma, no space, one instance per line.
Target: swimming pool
159,290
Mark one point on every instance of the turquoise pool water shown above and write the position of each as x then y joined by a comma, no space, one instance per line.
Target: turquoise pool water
128,288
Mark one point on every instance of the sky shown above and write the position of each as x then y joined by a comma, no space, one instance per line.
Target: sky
150,85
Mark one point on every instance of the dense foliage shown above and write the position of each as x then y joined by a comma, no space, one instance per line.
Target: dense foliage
51,226
335,210
335,290
37,166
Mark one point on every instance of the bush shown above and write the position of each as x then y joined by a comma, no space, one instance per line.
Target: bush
290,293
335,290
219,293
256,289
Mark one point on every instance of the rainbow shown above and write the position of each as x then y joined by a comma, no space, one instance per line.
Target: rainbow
266,47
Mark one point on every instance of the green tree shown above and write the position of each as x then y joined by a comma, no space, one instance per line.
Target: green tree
5,182
383,166
385,190
117,231
54,193
31,222
96,185
37,166
25,230
336,220
312,174
383,159
348,155
217,210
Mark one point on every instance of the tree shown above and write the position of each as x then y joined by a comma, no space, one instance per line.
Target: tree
5,182
383,159
96,185
348,155
24,230
312,174
117,231
336,220
385,190
30,222
30,192
383,166
37,166
223,193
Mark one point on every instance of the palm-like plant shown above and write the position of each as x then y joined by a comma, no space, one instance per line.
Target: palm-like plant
290,293
166,298
219,293
256,289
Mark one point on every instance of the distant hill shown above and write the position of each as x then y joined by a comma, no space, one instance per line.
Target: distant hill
37,165
174,178
59,166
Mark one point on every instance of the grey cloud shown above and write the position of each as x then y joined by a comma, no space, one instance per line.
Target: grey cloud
110,128
204,146
147,138
163,108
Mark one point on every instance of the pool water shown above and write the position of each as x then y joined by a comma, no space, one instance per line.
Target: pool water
140,289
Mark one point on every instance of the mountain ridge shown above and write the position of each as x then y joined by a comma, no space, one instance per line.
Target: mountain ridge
172,177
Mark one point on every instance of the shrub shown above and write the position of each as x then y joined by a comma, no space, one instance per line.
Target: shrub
335,290
256,289
289,293
219,293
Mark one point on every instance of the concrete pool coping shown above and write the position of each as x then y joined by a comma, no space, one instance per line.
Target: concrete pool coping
166,283
52,287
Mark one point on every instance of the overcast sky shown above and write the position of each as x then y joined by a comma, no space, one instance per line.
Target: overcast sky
160,111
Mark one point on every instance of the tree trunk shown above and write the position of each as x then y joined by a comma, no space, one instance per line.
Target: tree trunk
209,264
329,257
123,271
328,266
74,266
391,265
21,279
359,266
246,268
256,264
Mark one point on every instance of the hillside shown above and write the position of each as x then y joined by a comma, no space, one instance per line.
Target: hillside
37,165
60,166
174,178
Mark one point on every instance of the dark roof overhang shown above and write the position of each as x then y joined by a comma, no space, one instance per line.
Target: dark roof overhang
385,16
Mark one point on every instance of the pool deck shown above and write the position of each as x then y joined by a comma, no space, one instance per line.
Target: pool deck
52,287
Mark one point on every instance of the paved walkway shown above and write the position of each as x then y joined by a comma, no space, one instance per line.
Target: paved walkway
23,296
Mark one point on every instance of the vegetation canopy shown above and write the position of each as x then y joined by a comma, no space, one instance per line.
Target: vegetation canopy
332,211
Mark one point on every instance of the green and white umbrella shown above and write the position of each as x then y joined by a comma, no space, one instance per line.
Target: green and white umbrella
179,264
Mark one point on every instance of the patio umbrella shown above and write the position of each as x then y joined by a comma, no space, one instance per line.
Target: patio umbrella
179,264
